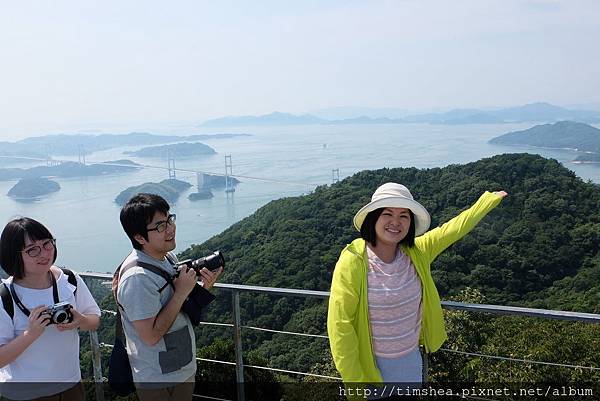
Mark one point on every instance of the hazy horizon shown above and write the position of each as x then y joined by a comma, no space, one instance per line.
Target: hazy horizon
112,66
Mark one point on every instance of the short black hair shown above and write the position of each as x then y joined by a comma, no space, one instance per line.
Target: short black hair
367,229
12,242
138,212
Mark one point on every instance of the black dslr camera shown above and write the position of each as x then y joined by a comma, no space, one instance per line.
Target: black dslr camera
211,262
59,313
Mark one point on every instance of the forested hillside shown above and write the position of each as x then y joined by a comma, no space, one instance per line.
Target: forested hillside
539,248
546,230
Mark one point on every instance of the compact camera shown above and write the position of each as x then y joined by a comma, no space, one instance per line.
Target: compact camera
211,262
60,313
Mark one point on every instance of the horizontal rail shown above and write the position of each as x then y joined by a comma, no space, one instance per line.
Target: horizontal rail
475,354
452,305
520,311
285,332
504,358
292,372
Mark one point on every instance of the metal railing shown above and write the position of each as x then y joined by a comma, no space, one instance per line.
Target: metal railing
237,326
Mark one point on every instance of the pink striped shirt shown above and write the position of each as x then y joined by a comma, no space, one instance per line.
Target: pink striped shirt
394,295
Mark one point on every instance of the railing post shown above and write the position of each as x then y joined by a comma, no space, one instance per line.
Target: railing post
97,365
237,336
425,366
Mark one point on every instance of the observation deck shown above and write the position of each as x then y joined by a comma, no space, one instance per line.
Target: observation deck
100,347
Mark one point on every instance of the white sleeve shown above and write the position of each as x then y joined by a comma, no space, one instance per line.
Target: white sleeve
84,301
7,327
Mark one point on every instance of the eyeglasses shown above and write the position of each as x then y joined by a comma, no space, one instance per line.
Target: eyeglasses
36,250
161,226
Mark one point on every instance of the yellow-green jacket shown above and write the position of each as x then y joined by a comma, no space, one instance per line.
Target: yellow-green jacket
348,315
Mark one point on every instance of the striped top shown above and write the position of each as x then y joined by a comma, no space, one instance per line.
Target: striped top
394,294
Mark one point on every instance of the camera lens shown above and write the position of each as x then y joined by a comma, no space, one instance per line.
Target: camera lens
59,316
211,262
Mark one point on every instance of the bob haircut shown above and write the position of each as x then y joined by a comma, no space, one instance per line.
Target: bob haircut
138,212
367,230
12,242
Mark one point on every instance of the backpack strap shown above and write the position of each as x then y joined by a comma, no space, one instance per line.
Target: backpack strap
70,278
154,269
7,300
119,332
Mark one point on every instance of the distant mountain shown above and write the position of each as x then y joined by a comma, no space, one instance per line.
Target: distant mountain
182,149
69,169
275,118
72,145
349,112
477,118
441,118
562,135
534,112
31,188
366,120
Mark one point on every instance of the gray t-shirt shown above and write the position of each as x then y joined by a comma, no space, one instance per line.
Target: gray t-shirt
171,360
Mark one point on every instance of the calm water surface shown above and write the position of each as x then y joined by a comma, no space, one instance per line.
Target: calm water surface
85,219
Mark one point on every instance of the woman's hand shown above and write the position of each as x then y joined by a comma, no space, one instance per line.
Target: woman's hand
38,321
210,277
80,321
501,193
75,323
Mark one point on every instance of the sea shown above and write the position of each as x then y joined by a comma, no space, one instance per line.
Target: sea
271,163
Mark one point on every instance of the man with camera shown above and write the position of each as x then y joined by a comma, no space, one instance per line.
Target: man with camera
159,334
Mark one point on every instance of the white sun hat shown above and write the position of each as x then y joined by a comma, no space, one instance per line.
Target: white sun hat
391,194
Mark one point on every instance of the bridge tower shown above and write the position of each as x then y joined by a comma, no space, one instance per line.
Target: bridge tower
335,176
200,181
81,154
228,172
171,161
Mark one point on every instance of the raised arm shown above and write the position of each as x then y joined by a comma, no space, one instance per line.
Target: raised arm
440,238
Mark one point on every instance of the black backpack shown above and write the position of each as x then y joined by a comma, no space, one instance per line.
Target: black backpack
7,299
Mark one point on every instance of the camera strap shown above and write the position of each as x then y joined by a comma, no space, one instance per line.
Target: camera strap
22,307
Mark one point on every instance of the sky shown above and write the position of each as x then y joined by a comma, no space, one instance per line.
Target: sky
68,66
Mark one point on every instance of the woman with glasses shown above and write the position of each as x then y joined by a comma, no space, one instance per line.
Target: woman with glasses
37,345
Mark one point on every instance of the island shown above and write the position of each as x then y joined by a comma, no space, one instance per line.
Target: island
183,149
42,147
33,188
69,169
216,181
588,158
208,181
204,193
561,135
169,189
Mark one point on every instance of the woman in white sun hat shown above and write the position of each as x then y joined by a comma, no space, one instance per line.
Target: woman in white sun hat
383,301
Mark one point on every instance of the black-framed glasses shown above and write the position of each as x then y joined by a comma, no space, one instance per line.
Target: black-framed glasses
36,250
161,226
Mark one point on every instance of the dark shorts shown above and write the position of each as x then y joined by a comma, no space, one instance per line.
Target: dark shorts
75,393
